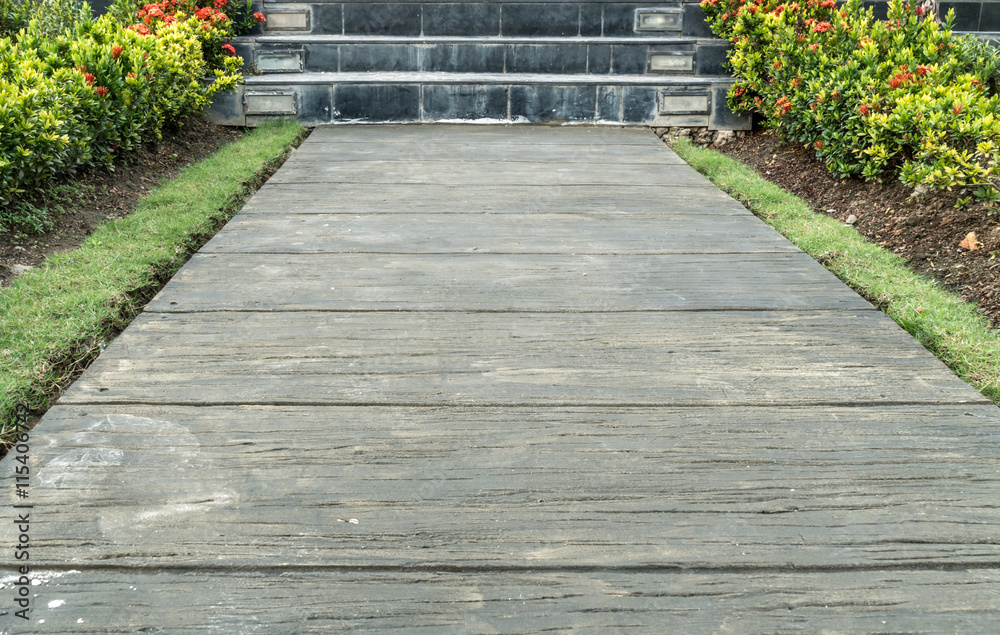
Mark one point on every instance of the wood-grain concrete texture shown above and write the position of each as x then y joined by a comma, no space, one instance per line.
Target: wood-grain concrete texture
509,380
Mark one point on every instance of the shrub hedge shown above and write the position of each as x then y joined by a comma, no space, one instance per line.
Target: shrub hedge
873,98
81,98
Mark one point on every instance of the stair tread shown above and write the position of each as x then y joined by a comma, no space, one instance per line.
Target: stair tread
416,77
463,39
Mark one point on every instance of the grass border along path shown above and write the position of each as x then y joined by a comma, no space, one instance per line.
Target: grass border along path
948,326
56,318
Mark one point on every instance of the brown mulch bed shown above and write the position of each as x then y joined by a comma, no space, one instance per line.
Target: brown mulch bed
923,229
102,195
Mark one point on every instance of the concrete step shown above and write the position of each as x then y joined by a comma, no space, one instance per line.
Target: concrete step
322,98
507,19
595,56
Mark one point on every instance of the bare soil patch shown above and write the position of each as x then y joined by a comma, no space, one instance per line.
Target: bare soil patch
100,195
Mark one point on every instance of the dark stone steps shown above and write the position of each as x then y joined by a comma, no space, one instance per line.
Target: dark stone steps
321,98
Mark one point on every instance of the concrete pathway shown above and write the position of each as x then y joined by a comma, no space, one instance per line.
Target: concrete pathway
508,379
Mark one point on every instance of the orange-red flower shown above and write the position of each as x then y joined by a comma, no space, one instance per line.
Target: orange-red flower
864,110
102,91
116,51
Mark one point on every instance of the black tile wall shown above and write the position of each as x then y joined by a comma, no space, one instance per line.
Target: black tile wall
600,60
547,58
609,103
377,102
638,104
629,59
541,19
322,58
590,19
711,59
328,19
694,22
464,58
462,19
553,103
989,18
382,19
378,57
966,14
465,102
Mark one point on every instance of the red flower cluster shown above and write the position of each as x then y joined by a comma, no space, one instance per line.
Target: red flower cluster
116,51
864,110
783,106
957,108
89,78
818,144
900,79
260,16
922,70
229,49
102,91
822,27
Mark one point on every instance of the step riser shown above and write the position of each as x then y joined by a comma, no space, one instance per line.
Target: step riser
706,59
696,105
531,19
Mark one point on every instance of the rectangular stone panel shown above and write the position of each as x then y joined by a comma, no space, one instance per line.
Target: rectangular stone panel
670,63
279,61
628,59
658,20
287,20
272,102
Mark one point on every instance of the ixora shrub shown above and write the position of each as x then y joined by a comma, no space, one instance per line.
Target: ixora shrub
873,98
80,98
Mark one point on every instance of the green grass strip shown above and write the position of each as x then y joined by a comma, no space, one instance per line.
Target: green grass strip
56,318
945,324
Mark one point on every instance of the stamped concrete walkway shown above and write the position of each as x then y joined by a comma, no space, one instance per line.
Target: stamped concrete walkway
509,379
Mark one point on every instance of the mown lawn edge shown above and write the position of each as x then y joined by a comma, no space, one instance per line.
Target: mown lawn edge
948,326
55,319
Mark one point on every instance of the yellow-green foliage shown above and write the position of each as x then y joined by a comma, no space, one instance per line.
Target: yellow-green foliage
82,97
901,96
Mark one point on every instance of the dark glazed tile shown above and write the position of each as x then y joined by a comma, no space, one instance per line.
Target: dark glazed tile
600,60
464,58
722,117
381,19
694,22
591,18
315,104
989,19
462,19
378,57
547,58
619,19
377,102
328,19
244,50
553,103
629,59
540,19
966,14
711,59
322,58
638,104
609,103
880,9
465,102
